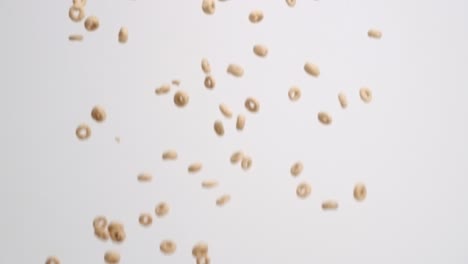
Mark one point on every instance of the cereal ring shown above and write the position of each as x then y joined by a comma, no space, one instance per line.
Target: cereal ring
225,110
112,257
209,82
100,222
294,93
312,69
145,219
365,94
252,105
374,33
208,7
52,260
83,132
162,209
123,35
260,50
169,155
91,23
236,157
360,192
81,3
205,65
219,128
181,99
98,114
303,190
163,89
145,177
343,101
324,118
291,3
195,167
235,70
75,37
176,82
116,232
203,260
246,163
76,13
222,200
101,234
209,184
167,247
296,169
200,250
330,205
256,16
240,124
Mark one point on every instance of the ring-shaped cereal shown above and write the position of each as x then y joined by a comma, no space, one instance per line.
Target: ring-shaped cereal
294,93
52,260
296,169
83,132
101,234
303,190
324,118
252,104
246,162
100,222
81,3
200,250
181,98
203,260
167,247
365,94
209,82
145,219
291,3
360,192
91,23
162,209
76,13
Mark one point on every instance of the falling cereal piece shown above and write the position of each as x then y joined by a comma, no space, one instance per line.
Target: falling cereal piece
162,209
76,13
222,200
343,100
176,82
291,3
252,104
169,155
294,93
246,163
210,82
145,219
52,260
324,118
83,132
256,16
374,33
208,7
145,177
200,250
101,234
225,110
195,167
240,123
98,114
181,99
329,205
296,169
365,94
209,184
81,3
167,247
260,50
360,192
163,89
205,65
91,23
219,128
116,232
75,37
303,190
236,157
112,257
235,70
123,35
312,69
100,222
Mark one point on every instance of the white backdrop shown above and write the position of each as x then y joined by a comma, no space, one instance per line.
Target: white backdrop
409,145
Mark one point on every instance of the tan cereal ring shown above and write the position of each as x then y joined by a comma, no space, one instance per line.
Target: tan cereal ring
181,99
167,247
100,222
365,94
303,190
240,123
102,234
324,118
208,7
162,209
252,104
169,155
374,33
145,177
294,93
209,82
98,114
219,128
81,3
194,167
209,184
200,250
236,157
296,169
83,132
329,205
52,260
291,3
176,82
312,69
256,16
205,65
223,199
75,37
163,89
343,100
76,13
360,192
225,110
246,163
260,50
112,257
91,23
235,70
116,231
145,219
203,260
123,35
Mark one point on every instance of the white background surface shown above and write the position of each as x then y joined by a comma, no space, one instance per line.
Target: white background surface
409,145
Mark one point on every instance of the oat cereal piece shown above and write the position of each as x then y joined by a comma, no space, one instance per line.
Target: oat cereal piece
116,232
100,222
236,157
209,184
91,23
163,89
181,99
123,35
83,132
98,114
203,260
246,162
102,234
225,110
374,33
312,69
252,104
52,260
145,219
343,100
209,82
303,190
219,128
291,3
176,82
162,209
169,155
294,93
209,6
360,192
75,37
205,65
200,250
222,200
235,70
195,167
260,50
240,123
76,13
167,247
324,118
329,205
145,177
256,16
112,257
365,94
296,168
81,3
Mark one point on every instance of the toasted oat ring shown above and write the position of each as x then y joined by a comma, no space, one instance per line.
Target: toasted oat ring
222,200
169,155
219,128
294,93
208,184
145,177
181,98
296,169
240,123
209,82
365,94
101,234
145,219
246,162
91,23
167,247
208,7
256,16
116,232
329,205
324,118
83,132
236,157
76,13
98,113
195,167
225,110
52,260
291,3
163,89
100,222
203,260
342,99
303,190
112,257
200,250
81,3
162,209
360,192
75,37
252,104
